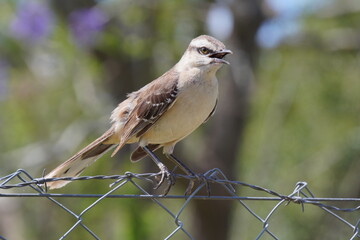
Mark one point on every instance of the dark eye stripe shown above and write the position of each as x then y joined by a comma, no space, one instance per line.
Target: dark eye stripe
205,50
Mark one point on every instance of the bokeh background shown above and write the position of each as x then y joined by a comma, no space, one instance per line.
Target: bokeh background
289,107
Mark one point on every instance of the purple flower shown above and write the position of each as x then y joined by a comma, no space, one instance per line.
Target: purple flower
86,24
33,21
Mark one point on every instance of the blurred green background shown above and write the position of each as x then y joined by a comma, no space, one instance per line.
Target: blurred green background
289,109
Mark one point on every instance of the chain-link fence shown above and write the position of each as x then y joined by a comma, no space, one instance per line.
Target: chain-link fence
301,195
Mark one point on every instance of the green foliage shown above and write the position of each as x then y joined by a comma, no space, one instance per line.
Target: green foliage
303,123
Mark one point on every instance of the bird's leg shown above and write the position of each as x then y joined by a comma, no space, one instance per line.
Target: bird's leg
188,171
163,170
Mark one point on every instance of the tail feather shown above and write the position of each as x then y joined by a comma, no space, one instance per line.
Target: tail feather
139,153
75,165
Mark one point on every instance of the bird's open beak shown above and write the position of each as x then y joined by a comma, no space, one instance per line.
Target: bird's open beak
219,55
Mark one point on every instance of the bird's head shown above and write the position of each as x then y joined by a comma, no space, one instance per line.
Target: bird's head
205,52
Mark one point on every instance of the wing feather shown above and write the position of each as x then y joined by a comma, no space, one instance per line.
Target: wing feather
153,101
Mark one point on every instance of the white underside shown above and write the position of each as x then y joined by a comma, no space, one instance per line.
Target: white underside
193,105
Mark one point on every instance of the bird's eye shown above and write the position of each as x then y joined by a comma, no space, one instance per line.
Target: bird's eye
204,50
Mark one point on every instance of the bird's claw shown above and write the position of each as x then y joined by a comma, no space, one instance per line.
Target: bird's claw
201,179
165,174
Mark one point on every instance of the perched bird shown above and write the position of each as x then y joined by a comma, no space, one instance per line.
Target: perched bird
160,114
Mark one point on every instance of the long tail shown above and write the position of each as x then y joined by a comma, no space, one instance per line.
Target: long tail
75,165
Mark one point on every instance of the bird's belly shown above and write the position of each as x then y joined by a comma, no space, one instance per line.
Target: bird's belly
191,109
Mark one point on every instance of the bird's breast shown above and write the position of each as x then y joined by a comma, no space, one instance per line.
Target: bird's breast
193,105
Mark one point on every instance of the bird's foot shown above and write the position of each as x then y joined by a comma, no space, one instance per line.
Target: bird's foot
197,178
165,174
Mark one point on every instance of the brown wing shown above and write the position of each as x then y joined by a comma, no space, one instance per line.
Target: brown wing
153,101
152,107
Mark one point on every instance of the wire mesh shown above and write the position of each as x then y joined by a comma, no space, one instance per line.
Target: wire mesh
301,195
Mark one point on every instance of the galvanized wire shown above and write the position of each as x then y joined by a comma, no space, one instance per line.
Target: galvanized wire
301,195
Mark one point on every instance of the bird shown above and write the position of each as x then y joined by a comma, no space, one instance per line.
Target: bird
160,114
